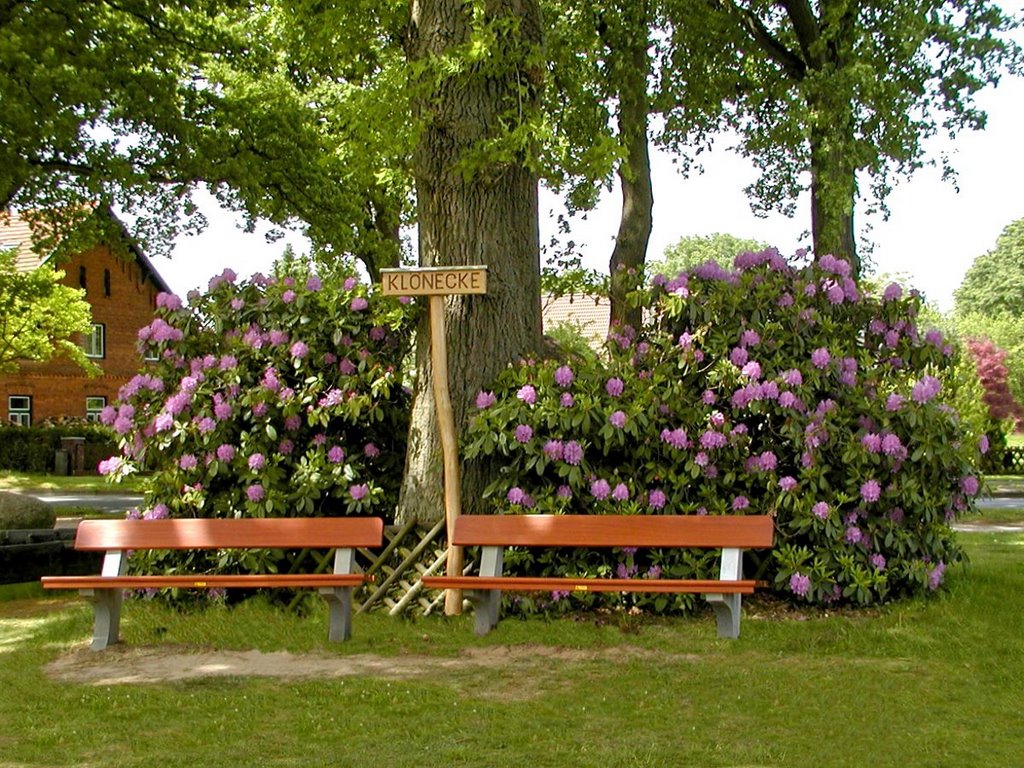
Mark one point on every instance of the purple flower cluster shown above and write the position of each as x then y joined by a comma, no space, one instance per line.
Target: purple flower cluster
564,376
925,389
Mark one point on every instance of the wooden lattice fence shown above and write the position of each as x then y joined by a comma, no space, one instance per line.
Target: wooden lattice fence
410,552
1013,461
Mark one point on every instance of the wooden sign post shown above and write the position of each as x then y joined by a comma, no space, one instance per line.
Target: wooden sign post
436,283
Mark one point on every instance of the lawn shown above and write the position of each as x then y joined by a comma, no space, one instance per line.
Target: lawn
13,481
928,683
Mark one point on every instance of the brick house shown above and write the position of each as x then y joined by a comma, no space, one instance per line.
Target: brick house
122,293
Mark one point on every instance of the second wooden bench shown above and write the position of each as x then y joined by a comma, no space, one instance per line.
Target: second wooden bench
118,537
493,533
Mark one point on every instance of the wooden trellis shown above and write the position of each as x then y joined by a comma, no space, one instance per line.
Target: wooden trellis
410,553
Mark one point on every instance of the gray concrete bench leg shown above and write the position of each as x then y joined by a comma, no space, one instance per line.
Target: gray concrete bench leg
339,599
106,608
486,607
487,602
727,606
339,607
727,612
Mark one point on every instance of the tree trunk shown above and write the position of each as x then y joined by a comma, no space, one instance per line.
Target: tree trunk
828,42
485,214
833,187
631,68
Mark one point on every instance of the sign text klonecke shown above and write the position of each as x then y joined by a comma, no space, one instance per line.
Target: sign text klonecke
433,281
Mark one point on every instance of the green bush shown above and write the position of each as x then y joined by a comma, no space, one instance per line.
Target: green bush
272,397
32,449
769,389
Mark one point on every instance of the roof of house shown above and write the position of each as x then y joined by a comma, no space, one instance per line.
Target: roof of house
590,313
16,232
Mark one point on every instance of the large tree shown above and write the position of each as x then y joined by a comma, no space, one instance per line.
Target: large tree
835,90
990,302
615,91
480,68
289,111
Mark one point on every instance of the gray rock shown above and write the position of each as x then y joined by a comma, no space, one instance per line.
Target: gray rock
18,511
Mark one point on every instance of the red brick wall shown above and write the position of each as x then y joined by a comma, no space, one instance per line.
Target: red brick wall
59,387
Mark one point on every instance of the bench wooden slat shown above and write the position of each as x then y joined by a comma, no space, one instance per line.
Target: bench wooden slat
199,581
569,584
741,531
241,533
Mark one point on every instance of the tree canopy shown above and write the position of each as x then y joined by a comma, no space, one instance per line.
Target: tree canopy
825,94
301,112
994,283
278,109
695,250
40,317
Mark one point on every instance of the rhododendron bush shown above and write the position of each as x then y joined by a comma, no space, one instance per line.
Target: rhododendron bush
769,389
269,397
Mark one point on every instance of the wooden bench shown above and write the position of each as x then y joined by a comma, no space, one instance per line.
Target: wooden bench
118,537
495,532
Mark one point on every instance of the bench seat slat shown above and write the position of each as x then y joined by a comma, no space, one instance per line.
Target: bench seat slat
199,581
568,584
741,531
241,533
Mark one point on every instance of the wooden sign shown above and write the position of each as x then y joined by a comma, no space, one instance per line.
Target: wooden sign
438,282
433,281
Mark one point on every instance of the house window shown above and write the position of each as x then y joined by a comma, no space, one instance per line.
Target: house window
93,405
81,278
95,341
106,282
19,409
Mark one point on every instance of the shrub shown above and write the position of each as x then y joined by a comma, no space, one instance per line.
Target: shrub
271,397
990,361
32,449
772,389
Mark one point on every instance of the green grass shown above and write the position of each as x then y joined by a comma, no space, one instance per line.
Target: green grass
1015,439
927,683
10,481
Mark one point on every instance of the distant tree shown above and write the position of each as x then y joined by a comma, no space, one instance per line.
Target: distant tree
990,363
694,250
39,317
994,283
1005,331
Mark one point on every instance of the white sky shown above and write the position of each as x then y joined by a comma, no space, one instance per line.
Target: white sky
932,236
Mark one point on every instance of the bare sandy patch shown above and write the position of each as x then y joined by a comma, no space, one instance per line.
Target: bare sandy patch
121,665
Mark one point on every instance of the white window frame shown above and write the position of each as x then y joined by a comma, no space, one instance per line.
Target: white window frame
94,404
95,343
20,413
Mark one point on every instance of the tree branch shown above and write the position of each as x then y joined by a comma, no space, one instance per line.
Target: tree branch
756,30
805,24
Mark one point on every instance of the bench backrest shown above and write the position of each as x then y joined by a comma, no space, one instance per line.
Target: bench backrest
744,532
244,533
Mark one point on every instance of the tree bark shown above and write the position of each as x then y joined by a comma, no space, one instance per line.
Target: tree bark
833,195
482,214
826,43
630,71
